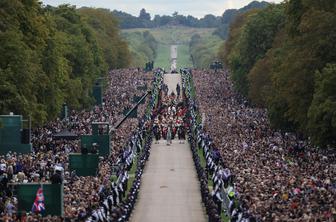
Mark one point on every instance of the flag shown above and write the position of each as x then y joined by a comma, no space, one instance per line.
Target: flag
38,205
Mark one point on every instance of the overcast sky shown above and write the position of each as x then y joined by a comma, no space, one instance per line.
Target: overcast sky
197,8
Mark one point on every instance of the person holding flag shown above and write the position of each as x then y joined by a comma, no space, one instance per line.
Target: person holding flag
38,205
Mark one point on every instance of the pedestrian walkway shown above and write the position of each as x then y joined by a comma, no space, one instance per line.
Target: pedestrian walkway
170,189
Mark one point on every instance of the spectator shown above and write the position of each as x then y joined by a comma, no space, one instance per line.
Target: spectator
278,176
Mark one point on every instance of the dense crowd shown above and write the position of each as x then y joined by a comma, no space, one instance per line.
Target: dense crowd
49,161
277,175
115,204
206,161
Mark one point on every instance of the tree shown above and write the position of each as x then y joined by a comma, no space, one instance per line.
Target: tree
105,27
209,21
290,65
144,15
230,15
322,112
50,55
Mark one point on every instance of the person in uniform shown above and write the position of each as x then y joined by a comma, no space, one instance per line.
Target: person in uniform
169,135
178,90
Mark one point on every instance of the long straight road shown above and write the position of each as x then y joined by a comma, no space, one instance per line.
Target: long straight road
170,189
173,57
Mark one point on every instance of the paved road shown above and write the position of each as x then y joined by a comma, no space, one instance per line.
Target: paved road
173,51
173,57
171,80
170,190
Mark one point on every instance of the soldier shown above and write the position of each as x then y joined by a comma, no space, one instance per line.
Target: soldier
178,90
169,135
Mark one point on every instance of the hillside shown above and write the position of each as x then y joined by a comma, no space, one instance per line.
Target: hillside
198,43
168,35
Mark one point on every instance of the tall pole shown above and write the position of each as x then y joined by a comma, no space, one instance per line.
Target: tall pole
129,112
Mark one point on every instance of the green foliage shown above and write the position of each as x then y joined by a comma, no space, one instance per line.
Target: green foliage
170,35
22,40
322,112
163,57
144,15
183,56
105,28
203,50
143,46
128,21
254,37
221,23
231,14
308,49
226,48
48,56
82,54
284,59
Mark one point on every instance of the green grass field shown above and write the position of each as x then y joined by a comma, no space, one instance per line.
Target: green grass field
139,53
174,34
206,51
183,57
170,35
163,56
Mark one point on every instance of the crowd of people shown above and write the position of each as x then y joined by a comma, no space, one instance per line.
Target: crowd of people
115,204
276,175
49,160
222,192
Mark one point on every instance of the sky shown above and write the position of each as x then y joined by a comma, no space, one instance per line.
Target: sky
196,8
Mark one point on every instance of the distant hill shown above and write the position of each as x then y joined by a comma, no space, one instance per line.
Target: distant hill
230,14
166,36
145,20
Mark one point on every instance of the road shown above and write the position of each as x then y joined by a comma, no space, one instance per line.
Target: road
170,189
172,80
173,51
173,57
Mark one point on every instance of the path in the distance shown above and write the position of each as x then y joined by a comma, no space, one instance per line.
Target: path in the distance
173,57
169,188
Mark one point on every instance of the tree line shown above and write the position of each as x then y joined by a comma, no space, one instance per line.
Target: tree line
221,23
143,47
144,20
53,55
283,58
203,49
222,29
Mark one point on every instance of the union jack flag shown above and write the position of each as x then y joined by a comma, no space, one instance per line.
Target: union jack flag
38,205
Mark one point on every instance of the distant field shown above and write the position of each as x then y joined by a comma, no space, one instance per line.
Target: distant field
140,53
174,34
205,52
183,56
162,58
169,35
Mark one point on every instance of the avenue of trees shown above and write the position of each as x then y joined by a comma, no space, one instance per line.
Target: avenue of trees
53,55
143,47
203,50
283,58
